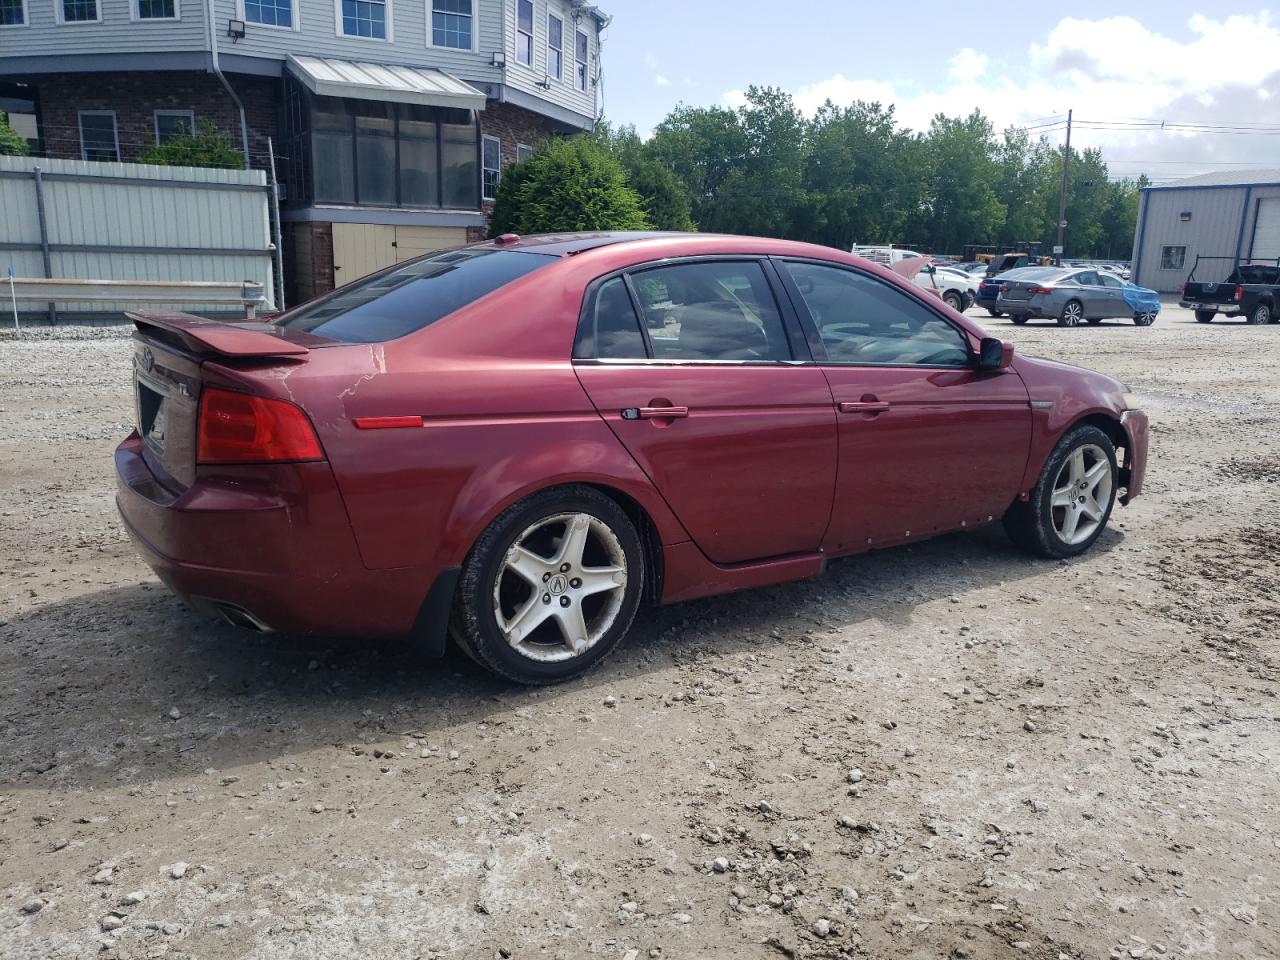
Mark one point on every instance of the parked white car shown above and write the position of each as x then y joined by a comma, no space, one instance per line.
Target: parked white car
957,289
884,255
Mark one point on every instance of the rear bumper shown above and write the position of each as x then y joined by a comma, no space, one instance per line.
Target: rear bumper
271,542
1233,307
1136,428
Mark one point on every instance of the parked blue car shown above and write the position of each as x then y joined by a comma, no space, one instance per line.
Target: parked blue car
1070,295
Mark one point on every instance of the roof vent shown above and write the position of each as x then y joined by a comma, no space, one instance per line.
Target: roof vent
507,239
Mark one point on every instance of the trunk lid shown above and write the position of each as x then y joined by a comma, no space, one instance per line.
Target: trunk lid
1015,290
168,352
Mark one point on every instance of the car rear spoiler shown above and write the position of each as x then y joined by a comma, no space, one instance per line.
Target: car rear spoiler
202,335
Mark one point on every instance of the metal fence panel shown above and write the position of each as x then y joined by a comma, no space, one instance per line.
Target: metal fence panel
130,221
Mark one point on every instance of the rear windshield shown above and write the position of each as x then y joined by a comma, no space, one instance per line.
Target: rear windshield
1031,273
411,296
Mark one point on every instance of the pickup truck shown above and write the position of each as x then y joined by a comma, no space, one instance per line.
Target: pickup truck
1251,291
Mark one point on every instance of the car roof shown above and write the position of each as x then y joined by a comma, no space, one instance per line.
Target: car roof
567,244
1032,273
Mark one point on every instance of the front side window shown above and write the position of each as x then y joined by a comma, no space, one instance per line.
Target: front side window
580,60
610,329
492,167
271,13
411,296
1172,258
79,11
13,13
98,136
174,123
864,320
364,18
451,24
722,310
157,9
524,32
1108,280
555,46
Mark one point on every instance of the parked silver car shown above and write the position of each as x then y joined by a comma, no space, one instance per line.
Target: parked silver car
1070,295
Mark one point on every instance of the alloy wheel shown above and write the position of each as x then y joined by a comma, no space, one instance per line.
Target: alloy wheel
1145,319
1071,314
1082,493
560,587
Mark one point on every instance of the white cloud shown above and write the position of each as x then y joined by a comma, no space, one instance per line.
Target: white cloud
1113,68
660,80
967,65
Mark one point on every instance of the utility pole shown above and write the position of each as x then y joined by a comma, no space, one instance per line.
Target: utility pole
1062,197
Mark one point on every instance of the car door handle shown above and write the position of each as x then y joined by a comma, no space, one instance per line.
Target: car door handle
863,406
661,413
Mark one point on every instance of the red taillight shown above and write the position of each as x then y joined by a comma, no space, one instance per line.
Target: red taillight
1032,291
242,428
1239,293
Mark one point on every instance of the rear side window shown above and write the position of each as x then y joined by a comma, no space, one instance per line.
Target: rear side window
722,310
610,329
411,296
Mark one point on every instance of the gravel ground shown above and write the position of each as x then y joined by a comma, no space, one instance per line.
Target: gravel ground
949,749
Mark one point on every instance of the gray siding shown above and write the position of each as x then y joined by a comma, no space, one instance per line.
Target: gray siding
162,211
317,35
1213,230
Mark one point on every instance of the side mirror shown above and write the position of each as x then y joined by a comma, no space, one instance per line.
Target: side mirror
994,354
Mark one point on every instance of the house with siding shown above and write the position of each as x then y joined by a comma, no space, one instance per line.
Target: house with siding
390,120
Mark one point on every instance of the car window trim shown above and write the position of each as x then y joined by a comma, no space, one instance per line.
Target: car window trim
626,273
815,338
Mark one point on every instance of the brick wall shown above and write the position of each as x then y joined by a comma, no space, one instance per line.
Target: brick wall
134,97
513,125
308,260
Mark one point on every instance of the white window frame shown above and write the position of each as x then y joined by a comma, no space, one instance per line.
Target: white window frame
475,27
554,16
136,16
523,152
533,22
483,169
115,129
337,23
57,14
189,115
26,18
294,20
586,64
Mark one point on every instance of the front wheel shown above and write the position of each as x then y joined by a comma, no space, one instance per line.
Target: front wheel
994,312
550,587
1261,314
1072,314
1205,316
1144,318
954,301
1069,506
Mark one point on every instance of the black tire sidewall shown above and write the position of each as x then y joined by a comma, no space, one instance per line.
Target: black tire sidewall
1042,496
955,303
1257,312
473,612
1062,317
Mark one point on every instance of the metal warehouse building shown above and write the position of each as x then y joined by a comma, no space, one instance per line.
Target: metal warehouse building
1234,215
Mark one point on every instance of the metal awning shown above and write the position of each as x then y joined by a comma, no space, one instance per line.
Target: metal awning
328,77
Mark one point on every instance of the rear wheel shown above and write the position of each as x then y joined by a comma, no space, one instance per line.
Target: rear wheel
1261,314
1069,506
953,300
550,587
1205,316
1018,318
994,312
1072,314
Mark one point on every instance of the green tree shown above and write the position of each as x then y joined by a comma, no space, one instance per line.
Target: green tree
700,145
662,194
206,146
963,206
1024,181
10,143
569,184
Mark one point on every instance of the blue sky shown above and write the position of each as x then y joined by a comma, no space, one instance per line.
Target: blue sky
1169,60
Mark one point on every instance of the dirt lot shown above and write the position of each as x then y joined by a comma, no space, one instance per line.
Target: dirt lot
1051,759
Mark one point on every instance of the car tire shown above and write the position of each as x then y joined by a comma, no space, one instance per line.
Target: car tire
1018,318
533,535
994,313
1260,315
1041,525
1205,316
1071,315
954,301
1144,319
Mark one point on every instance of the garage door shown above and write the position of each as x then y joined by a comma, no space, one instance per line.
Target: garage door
1266,231
362,248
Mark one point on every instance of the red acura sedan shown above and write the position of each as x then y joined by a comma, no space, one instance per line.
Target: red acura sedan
516,442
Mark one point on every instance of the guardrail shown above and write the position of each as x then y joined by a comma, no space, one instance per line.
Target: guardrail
247,293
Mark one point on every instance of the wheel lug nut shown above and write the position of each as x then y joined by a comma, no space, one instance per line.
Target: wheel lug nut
546,598
546,577
575,583
564,601
564,568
